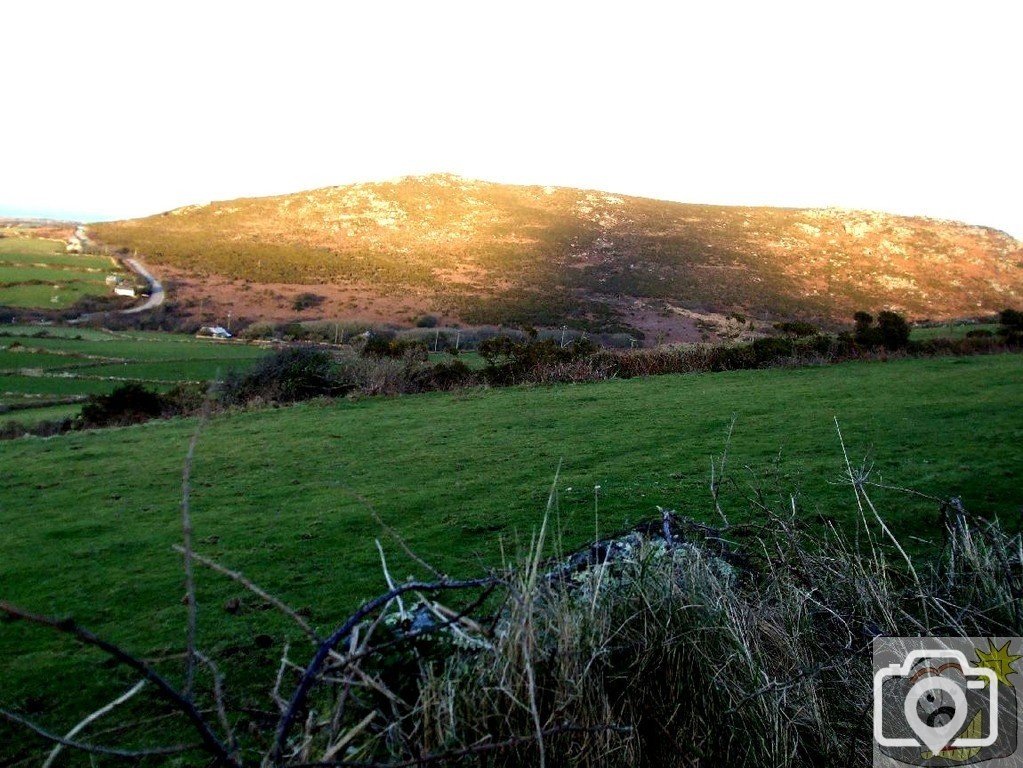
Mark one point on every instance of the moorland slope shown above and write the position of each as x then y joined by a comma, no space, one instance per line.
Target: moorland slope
479,252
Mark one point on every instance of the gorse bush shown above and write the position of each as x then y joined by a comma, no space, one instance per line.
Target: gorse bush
304,301
890,332
289,375
397,349
796,328
510,361
1011,318
1011,329
128,404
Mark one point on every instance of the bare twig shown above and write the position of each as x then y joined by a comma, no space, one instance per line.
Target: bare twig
258,591
94,748
218,699
92,718
446,621
210,741
390,582
717,473
857,483
398,538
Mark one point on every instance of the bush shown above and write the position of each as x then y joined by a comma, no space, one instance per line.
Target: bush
891,331
452,374
510,361
1011,318
426,321
396,349
894,330
292,374
128,404
796,328
304,301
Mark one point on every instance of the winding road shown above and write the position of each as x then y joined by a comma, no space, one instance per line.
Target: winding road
156,294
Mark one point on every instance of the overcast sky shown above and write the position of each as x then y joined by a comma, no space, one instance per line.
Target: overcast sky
116,110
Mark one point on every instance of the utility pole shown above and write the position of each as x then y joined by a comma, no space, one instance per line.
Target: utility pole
337,328
458,339
436,340
563,329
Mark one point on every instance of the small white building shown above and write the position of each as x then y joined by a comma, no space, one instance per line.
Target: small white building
74,245
125,290
214,332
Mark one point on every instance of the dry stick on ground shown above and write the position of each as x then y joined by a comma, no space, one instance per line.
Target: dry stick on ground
716,478
210,742
327,647
857,484
92,718
392,533
95,749
218,699
256,590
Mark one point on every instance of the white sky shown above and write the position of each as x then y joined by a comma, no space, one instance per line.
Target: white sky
114,110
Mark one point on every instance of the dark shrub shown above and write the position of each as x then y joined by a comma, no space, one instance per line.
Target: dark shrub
452,374
397,349
979,333
185,398
128,404
865,333
864,319
294,373
796,328
426,321
894,330
304,301
510,361
1011,318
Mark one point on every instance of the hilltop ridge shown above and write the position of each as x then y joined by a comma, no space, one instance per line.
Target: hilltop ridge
480,252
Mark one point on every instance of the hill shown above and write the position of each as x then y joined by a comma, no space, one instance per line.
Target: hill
479,252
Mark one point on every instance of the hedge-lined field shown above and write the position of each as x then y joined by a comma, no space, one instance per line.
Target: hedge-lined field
39,273
42,366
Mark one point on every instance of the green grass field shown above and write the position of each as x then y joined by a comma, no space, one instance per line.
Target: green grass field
39,273
88,519
951,330
52,363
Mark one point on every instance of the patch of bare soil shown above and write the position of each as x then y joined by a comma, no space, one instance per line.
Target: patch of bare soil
211,299
665,323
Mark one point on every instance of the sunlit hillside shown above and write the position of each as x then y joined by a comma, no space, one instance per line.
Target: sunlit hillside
480,252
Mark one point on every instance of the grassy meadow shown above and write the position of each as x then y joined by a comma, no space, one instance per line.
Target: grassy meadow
284,494
38,273
952,330
44,367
